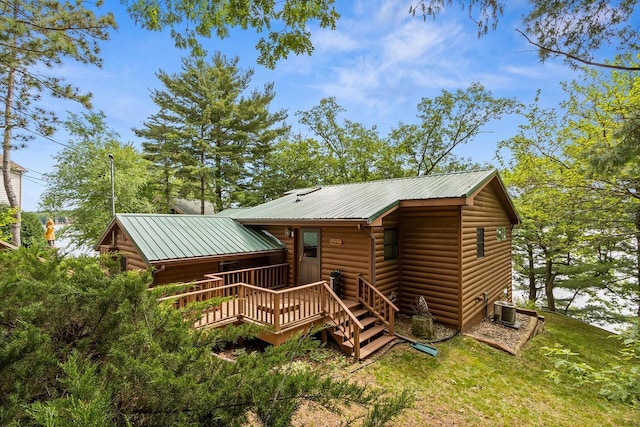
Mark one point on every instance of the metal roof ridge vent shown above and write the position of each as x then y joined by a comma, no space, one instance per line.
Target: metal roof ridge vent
308,191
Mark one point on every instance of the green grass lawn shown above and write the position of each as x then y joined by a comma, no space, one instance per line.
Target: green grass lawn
470,383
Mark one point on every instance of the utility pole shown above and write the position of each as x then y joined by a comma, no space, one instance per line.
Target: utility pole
113,187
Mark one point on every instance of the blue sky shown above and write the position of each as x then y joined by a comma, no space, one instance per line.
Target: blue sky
378,64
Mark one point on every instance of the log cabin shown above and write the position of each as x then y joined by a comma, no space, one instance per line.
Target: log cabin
446,237
353,255
184,248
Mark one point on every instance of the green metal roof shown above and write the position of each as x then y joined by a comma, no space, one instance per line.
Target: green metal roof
365,201
170,237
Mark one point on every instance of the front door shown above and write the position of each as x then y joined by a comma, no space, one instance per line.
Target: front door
309,260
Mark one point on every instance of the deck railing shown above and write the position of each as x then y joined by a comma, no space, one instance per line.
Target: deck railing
201,290
343,319
377,303
281,309
270,276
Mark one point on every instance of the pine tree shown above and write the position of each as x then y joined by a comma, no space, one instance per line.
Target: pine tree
221,131
36,34
161,148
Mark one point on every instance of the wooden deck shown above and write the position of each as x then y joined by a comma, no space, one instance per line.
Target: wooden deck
285,312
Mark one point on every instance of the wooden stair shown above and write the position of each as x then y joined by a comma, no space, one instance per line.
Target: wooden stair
372,338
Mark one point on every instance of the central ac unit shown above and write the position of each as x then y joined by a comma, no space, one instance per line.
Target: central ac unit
504,312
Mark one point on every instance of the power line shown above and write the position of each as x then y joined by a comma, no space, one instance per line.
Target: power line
33,180
35,171
34,177
48,138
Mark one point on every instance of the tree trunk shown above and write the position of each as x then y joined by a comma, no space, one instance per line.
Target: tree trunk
422,327
638,261
202,185
167,184
548,285
6,140
533,291
218,181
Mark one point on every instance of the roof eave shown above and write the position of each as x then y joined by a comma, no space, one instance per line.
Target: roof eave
205,258
115,221
105,234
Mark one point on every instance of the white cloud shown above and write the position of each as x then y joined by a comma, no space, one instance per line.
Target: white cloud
334,41
413,43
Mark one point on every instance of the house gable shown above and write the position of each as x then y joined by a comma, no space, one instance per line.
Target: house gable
486,276
16,180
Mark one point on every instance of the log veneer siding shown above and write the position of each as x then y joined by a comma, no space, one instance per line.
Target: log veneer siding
128,250
387,272
279,232
188,270
491,273
352,257
429,261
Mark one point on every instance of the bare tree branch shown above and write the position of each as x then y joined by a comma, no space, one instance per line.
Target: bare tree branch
576,58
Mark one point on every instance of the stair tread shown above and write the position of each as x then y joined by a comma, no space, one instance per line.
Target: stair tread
366,335
375,345
367,321
350,303
359,312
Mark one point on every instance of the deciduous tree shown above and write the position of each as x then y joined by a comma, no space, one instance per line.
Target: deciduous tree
603,108
81,180
284,23
351,152
448,121
569,238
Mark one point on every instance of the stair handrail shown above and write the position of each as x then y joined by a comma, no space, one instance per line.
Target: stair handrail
390,313
375,290
353,320
342,305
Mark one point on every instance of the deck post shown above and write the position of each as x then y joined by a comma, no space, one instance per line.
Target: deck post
276,312
241,300
356,342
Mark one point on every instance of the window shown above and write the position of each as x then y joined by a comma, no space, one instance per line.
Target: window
501,234
480,242
390,243
310,243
